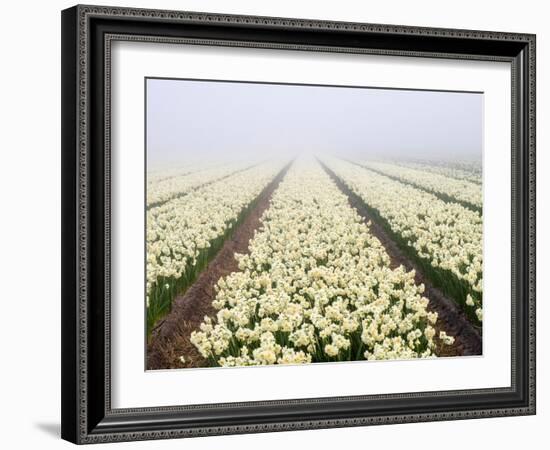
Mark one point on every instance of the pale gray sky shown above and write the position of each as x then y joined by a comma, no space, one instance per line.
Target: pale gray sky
202,119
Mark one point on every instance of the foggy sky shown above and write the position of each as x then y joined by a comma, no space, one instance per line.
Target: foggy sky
190,120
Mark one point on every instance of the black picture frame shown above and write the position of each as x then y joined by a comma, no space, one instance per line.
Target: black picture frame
87,31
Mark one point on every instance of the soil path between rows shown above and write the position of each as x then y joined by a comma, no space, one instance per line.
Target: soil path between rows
450,318
171,339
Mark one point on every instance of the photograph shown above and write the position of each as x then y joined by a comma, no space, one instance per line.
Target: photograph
303,223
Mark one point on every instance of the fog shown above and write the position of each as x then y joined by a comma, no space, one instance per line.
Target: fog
194,120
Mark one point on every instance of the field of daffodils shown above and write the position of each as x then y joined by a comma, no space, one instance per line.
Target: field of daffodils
316,284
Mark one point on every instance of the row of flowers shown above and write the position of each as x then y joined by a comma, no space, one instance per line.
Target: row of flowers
315,286
171,187
460,190
154,175
185,232
473,176
445,235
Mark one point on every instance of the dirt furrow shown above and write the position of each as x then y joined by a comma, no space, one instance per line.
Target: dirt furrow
450,318
171,339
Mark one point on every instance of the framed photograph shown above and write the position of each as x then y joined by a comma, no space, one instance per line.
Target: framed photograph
277,224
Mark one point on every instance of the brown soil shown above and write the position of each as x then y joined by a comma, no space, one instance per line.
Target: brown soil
450,318
171,338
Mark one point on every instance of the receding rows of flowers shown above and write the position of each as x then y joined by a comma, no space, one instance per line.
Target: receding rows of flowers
156,175
449,189
445,237
316,286
184,233
447,171
172,187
